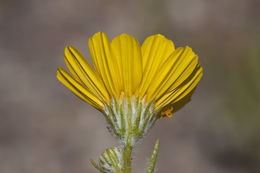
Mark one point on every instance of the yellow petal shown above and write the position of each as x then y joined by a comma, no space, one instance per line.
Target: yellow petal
180,72
183,90
190,86
155,50
84,73
183,74
174,71
80,91
104,62
163,73
127,52
74,73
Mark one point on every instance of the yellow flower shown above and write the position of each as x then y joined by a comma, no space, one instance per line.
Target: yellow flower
154,72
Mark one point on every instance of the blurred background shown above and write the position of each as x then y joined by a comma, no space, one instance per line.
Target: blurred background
44,128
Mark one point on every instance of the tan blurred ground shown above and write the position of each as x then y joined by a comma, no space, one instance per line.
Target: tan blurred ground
44,128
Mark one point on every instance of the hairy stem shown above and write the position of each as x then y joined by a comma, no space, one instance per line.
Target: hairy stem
127,158
127,150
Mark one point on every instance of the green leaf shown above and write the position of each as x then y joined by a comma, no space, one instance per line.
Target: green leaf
96,166
152,161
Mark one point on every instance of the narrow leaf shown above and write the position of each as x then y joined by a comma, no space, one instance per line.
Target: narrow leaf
96,166
152,160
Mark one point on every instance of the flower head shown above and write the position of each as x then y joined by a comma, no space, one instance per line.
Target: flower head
154,78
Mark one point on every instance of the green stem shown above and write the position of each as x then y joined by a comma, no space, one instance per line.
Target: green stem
127,150
127,157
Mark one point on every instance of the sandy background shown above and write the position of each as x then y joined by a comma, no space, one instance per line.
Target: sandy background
44,128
